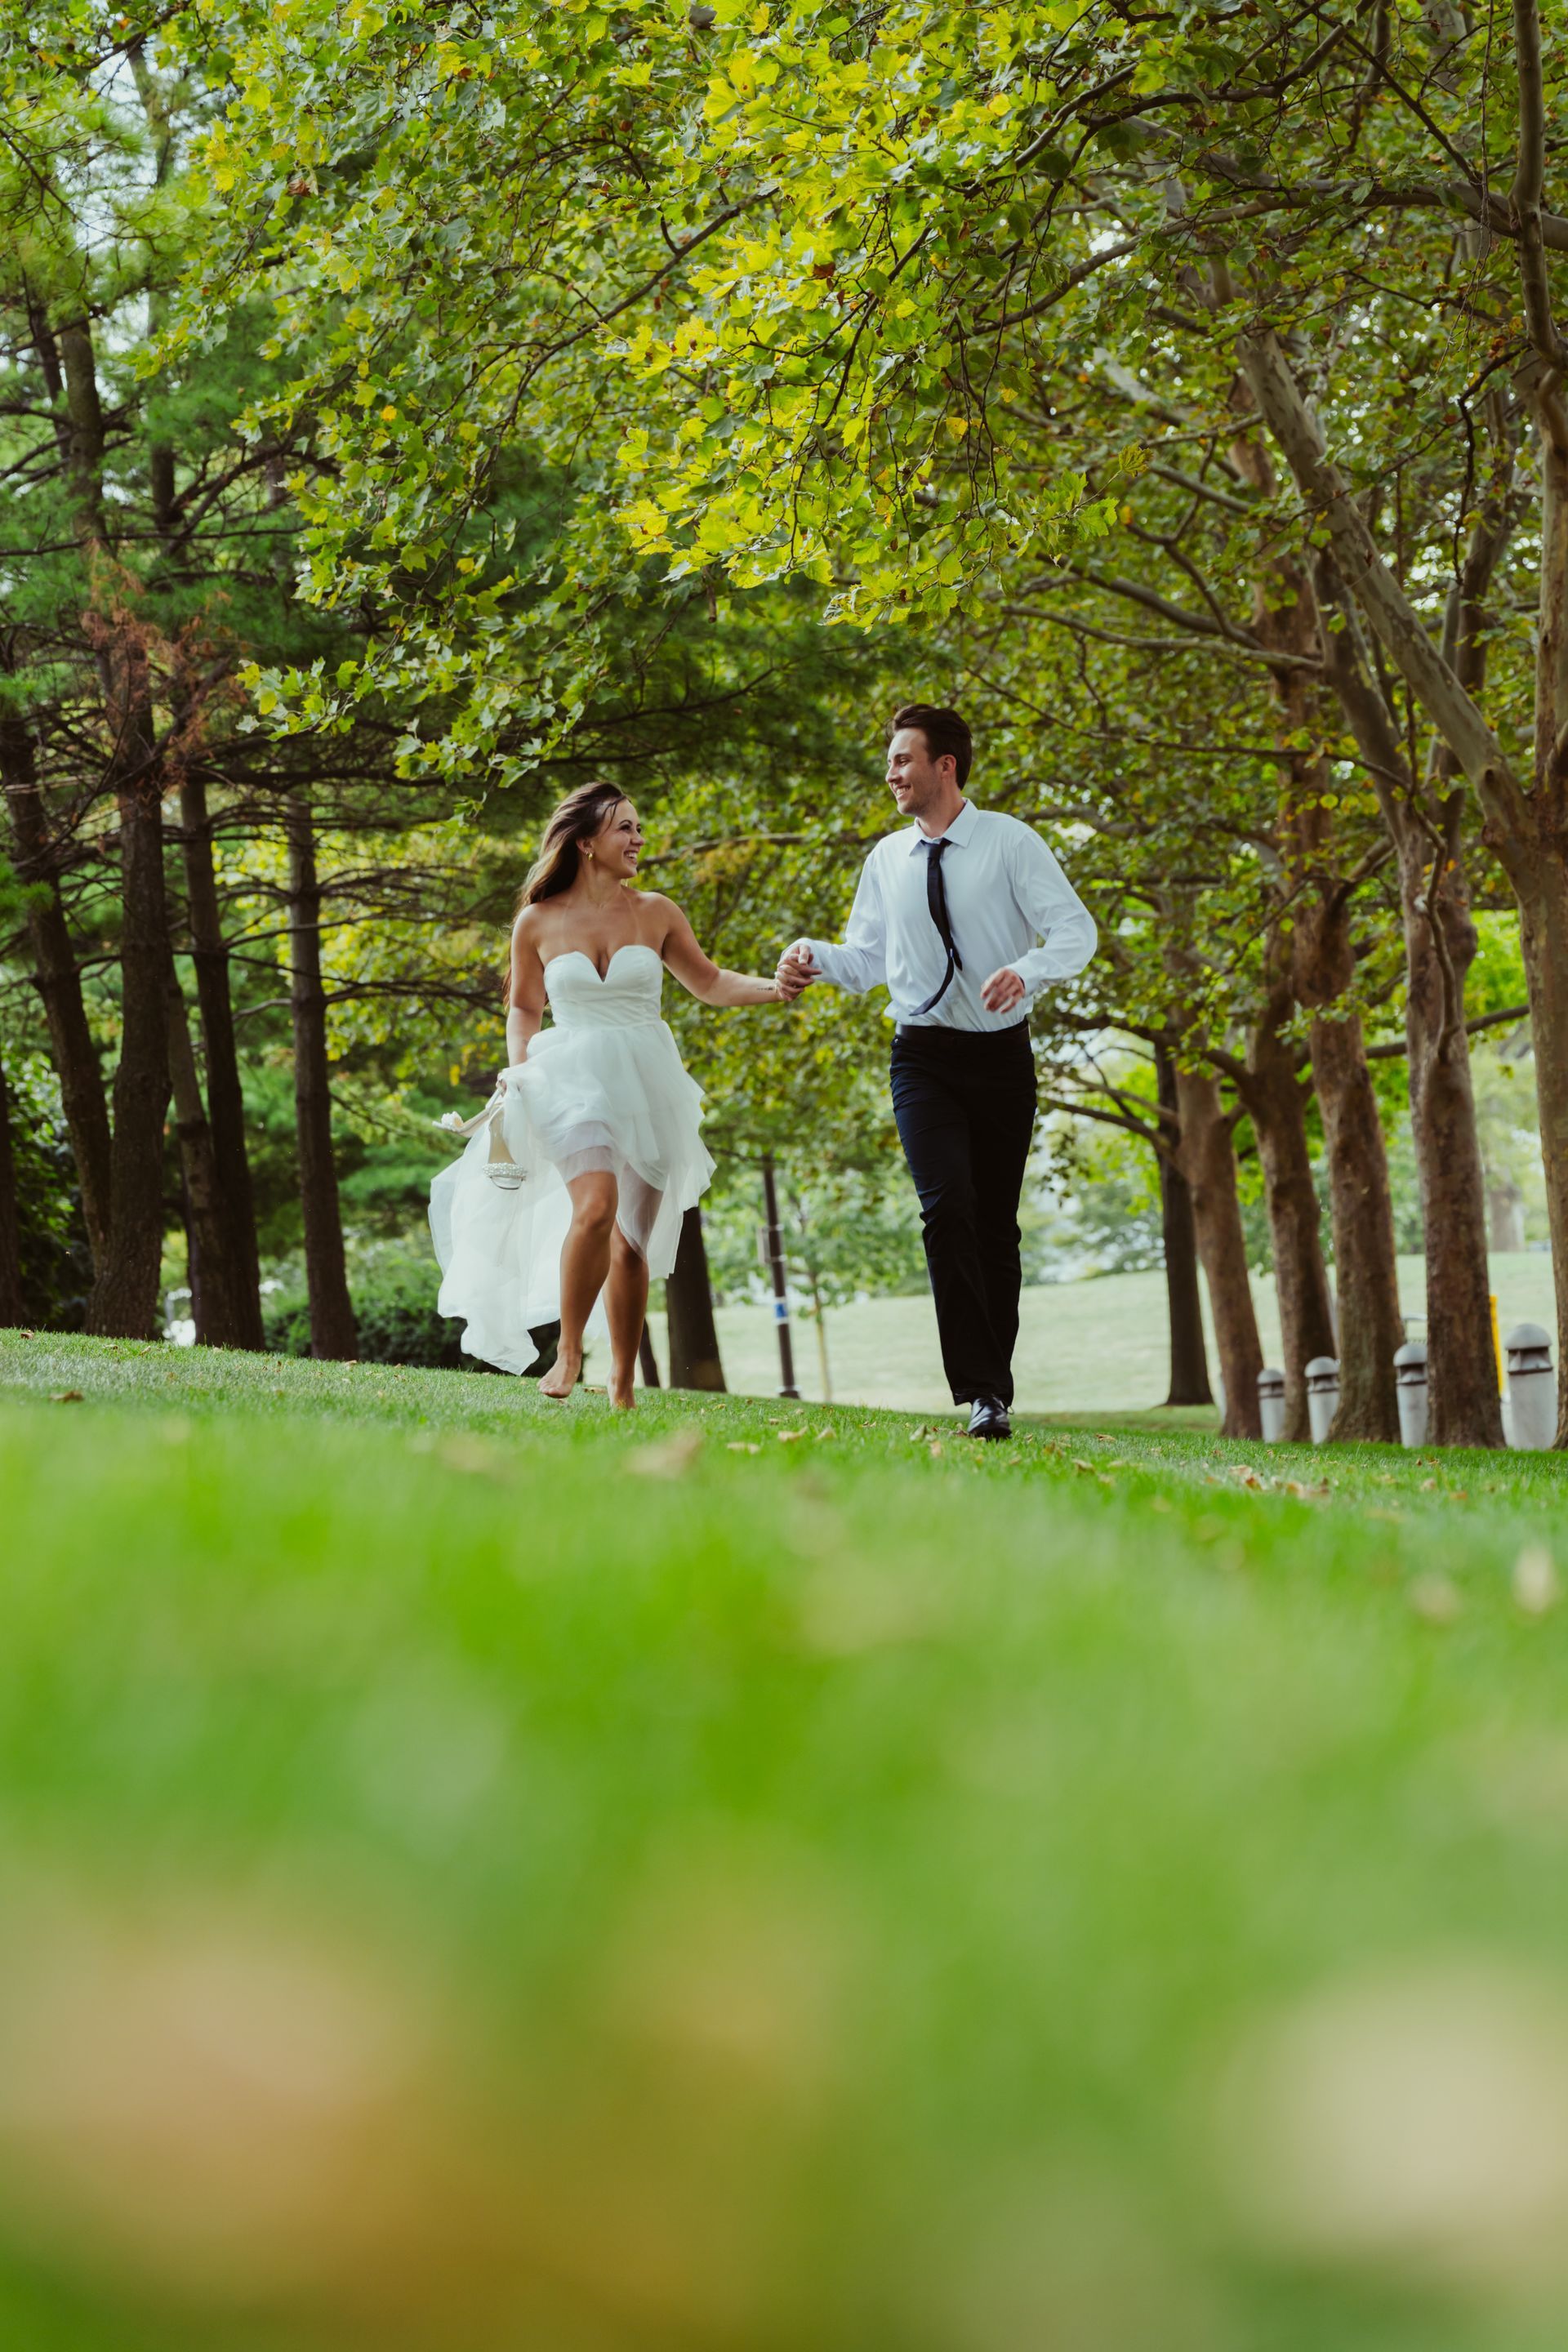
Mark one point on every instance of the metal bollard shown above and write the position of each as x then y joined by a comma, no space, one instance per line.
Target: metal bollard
1322,1394
1410,1391
1532,1388
1271,1403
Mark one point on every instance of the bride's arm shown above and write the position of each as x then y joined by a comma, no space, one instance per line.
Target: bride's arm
709,982
525,995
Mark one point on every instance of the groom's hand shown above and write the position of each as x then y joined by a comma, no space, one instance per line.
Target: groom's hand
796,969
1002,991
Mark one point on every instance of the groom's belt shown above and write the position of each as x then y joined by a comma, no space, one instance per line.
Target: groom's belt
945,1039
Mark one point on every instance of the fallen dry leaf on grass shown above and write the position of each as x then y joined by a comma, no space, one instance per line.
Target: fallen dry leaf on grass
1414,2122
741,1446
228,2114
844,1611
471,1454
1435,1599
666,1457
1535,1583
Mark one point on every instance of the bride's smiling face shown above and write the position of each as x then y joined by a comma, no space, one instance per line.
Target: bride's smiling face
618,845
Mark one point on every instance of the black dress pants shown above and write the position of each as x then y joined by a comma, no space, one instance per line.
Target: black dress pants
965,1102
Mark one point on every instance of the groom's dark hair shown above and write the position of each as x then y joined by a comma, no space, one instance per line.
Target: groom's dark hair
943,729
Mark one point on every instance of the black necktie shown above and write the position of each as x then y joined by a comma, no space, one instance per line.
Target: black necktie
936,900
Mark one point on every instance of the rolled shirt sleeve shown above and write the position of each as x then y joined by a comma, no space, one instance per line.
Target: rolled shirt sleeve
860,961
1053,909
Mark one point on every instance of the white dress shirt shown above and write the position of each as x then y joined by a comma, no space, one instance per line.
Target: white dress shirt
1004,890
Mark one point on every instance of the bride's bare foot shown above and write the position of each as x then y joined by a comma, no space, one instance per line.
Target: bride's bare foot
563,1375
622,1394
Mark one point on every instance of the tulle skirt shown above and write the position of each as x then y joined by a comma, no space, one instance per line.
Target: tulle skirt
614,1099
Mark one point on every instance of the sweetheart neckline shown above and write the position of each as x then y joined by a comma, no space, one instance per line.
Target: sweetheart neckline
626,948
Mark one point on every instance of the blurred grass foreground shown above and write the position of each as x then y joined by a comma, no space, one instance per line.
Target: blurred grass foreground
479,1876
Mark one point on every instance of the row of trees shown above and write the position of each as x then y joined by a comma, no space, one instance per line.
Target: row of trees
1182,388
194,906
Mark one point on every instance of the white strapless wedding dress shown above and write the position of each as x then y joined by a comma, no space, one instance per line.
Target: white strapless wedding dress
604,1088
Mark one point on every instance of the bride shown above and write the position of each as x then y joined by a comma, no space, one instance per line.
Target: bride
582,1164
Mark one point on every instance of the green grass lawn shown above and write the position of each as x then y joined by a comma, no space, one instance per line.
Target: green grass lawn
481,1875
1094,1347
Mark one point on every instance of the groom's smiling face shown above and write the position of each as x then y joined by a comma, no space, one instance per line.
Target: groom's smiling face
916,780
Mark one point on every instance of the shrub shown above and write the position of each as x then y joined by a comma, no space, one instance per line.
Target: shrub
57,1264
394,1310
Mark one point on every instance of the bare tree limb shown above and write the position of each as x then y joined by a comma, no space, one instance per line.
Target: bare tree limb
1199,641
1282,404
1529,179
1393,1048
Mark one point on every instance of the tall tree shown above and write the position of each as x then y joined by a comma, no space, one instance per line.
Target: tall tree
332,1310
1189,1383
103,684
11,1310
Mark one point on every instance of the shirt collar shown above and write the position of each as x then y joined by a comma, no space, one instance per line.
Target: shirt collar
957,832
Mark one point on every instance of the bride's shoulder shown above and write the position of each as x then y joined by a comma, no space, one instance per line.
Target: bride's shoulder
657,909
528,925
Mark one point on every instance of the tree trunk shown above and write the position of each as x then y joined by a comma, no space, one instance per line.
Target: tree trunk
1464,1408
226,1099
1271,1092
217,1283
1536,863
1184,1300
124,1300
1525,829
1544,927
1366,1277
1370,1327
1322,972
693,1337
1207,1161
12,1311
58,983
1439,945
646,1359
333,1330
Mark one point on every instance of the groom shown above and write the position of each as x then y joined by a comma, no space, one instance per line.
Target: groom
947,913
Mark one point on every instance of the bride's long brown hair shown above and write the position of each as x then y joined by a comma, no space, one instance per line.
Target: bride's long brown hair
559,861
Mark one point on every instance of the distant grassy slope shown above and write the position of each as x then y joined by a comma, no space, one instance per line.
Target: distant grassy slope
477,1875
1082,1345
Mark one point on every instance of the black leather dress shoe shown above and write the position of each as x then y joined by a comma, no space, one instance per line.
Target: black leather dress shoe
988,1418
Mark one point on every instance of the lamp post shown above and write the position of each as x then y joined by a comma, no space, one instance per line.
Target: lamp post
776,1269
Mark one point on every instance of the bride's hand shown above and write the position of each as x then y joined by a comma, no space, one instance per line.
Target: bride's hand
795,974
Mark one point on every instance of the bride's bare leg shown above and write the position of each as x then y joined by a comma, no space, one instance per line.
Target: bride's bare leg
625,1305
584,1264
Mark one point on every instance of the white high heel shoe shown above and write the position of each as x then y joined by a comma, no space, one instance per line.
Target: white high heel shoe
507,1174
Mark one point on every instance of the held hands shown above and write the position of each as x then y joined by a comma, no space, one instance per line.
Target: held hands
1002,991
797,970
